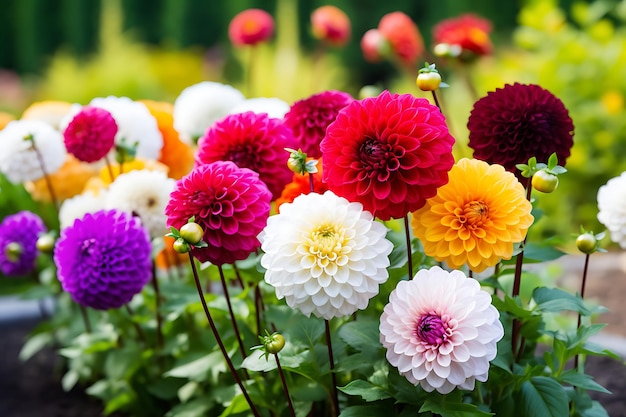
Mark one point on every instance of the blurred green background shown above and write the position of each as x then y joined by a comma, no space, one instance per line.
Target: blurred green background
74,50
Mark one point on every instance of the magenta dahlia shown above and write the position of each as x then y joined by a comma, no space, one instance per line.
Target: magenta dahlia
230,203
90,135
103,259
390,153
309,118
254,141
512,124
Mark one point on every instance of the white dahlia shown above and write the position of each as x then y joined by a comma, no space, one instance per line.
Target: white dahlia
612,208
20,161
135,123
144,193
325,255
200,105
274,107
79,205
440,330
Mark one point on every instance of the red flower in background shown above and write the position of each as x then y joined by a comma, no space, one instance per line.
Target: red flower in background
468,32
250,27
251,140
390,153
403,36
309,118
331,25
512,124
374,46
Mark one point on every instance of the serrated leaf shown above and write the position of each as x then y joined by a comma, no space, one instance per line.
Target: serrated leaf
366,390
555,300
362,335
542,396
583,381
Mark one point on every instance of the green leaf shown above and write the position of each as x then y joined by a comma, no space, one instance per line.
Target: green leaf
195,369
452,409
367,391
165,388
511,305
195,408
583,381
239,404
596,410
381,409
541,253
362,335
69,379
542,396
555,300
35,344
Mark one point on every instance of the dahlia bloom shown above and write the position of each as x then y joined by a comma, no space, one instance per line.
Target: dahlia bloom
309,118
230,203
143,193
325,255
250,27
200,105
175,154
90,135
79,205
19,160
301,184
512,124
403,36
68,181
135,124
103,259
374,46
612,210
18,242
475,218
468,31
389,153
253,141
331,25
440,330
274,107
50,111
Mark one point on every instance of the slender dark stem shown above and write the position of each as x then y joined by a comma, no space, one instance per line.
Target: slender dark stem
46,176
83,312
285,388
335,397
230,310
258,304
311,182
231,367
157,307
582,296
238,275
408,245
140,332
437,101
517,279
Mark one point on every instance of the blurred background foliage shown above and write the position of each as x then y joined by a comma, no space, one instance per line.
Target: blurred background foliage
74,50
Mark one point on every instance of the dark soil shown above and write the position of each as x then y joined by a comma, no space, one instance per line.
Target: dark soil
33,388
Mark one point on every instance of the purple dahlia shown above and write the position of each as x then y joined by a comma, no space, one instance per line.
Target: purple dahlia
18,242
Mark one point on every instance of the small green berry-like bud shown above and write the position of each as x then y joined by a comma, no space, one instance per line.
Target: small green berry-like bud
13,251
191,232
544,181
428,81
274,343
45,243
587,243
181,245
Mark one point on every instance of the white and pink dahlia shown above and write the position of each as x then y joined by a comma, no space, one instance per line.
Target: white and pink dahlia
440,330
325,255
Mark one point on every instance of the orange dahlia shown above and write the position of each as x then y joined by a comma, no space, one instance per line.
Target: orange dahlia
475,218
176,154
68,181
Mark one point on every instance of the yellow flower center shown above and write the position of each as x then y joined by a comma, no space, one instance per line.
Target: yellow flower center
326,249
470,219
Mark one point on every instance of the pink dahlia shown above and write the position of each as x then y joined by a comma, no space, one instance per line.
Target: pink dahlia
441,330
310,117
468,31
250,27
403,36
389,153
331,24
90,135
374,46
512,124
230,203
253,141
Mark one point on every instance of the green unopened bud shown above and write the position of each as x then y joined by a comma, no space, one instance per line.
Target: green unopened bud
587,243
13,251
298,163
45,243
191,232
544,181
181,245
125,152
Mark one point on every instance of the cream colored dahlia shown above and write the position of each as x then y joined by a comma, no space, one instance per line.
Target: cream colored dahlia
144,193
274,107
79,205
325,255
440,330
612,208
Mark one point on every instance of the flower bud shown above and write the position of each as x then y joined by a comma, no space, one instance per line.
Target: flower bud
331,25
587,243
274,343
181,245
45,243
191,232
544,181
428,81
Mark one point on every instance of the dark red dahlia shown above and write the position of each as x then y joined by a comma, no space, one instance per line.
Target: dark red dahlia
390,153
310,117
512,124
230,203
254,141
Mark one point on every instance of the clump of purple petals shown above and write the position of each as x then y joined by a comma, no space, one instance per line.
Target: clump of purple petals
20,230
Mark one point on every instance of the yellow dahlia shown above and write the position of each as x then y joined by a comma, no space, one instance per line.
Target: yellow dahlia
49,111
475,218
68,181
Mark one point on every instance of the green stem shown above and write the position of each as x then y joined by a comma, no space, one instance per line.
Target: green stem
231,367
